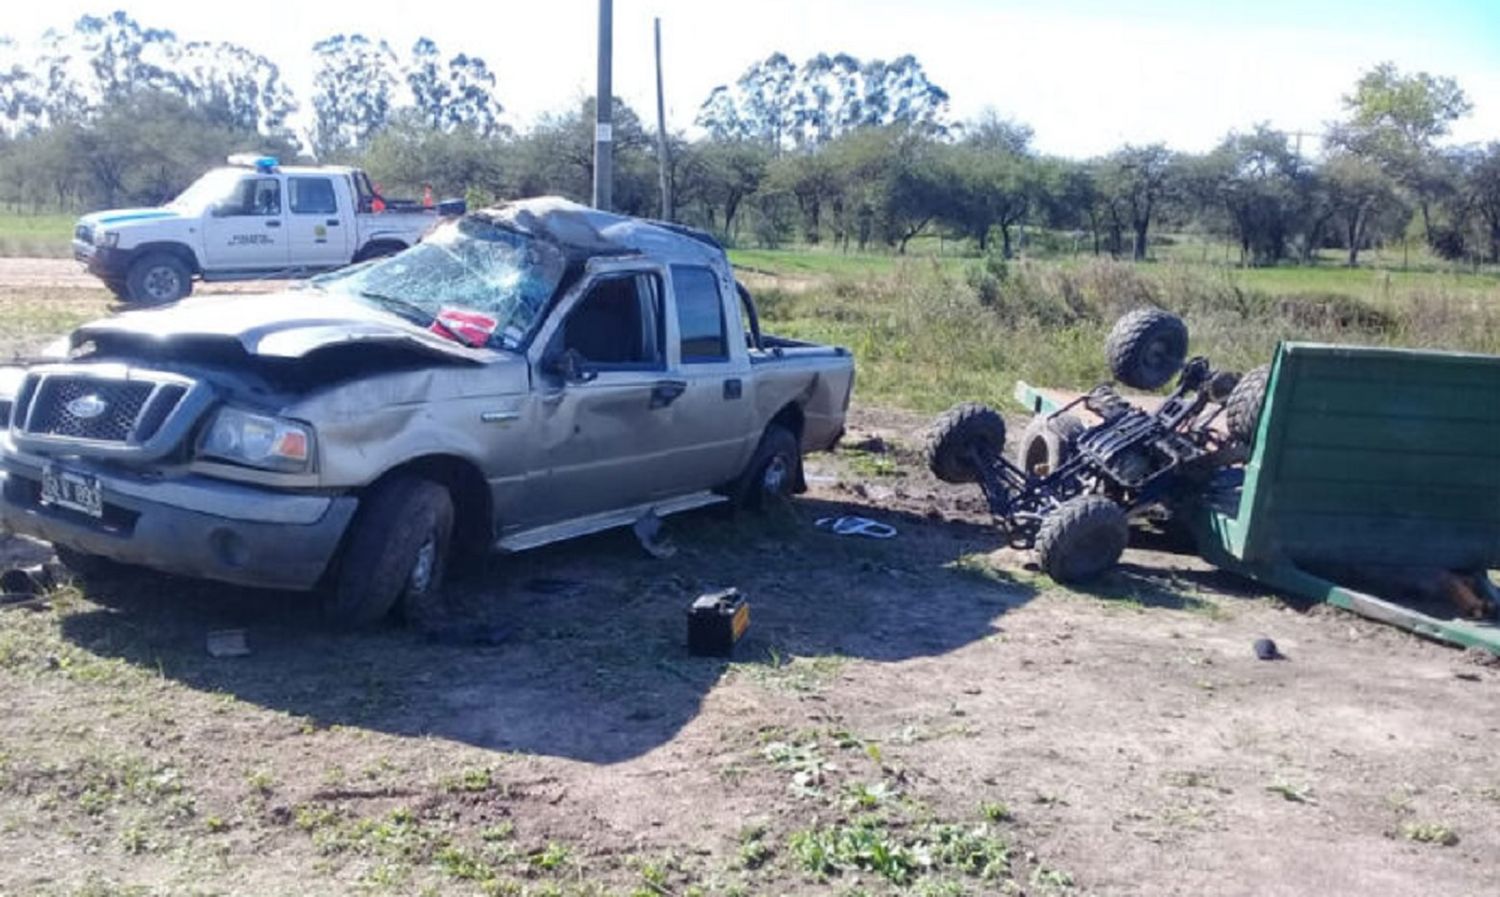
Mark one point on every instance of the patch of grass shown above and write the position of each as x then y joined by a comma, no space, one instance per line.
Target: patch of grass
1297,794
871,464
45,235
805,761
994,811
470,781
782,672
872,845
866,796
1429,833
552,857
754,852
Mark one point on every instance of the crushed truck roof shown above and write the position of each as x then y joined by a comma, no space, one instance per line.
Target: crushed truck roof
583,232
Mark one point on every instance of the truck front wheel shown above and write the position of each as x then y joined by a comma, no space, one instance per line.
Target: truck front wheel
397,552
158,278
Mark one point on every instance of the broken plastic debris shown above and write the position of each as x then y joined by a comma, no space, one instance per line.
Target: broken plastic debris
856,526
647,531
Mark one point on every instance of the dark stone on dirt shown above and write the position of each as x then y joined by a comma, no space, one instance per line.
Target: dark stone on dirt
1266,649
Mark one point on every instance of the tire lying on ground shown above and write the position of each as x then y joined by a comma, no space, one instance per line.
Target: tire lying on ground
1082,538
956,434
1242,408
1146,348
396,554
1048,440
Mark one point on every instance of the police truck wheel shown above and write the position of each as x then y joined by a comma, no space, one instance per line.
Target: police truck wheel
1082,538
1242,408
1048,441
157,279
397,552
1146,348
957,435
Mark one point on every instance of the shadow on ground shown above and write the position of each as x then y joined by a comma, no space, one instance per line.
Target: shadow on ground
594,665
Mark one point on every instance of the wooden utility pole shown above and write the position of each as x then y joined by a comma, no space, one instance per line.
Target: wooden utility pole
604,101
663,160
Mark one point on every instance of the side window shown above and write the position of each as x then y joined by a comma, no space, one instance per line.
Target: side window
618,323
260,197
311,196
700,315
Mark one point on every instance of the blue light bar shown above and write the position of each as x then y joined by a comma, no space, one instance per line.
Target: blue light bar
251,160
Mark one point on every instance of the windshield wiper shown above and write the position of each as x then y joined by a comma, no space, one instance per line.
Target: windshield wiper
415,313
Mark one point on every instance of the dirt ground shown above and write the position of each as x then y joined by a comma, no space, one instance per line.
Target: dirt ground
922,715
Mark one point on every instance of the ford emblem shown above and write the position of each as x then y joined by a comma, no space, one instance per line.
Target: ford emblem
87,407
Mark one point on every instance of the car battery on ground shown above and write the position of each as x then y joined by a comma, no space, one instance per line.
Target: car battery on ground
716,621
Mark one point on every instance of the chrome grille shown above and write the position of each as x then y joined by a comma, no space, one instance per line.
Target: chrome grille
123,401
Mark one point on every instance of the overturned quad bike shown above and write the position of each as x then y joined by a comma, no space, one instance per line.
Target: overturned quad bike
1074,487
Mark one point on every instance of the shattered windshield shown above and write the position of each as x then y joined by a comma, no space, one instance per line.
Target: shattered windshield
470,281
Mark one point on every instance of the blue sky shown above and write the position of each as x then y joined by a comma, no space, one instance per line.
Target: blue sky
1087,75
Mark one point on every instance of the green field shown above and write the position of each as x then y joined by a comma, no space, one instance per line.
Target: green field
34,236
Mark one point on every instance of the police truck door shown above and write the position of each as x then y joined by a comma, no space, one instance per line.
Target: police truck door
247,231
316,230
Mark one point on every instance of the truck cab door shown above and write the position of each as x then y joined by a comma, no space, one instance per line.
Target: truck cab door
603,399
247,231
317,233
714,421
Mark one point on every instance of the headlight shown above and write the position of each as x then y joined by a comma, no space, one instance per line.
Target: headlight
256,440
109,239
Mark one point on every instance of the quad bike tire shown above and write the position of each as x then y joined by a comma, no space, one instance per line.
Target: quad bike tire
956,434
1048,441
1082,538
1147,348
1242,408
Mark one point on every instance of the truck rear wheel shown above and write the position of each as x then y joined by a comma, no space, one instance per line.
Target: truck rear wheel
158,278
957,434
774,471
397,552
1146,348
1082,538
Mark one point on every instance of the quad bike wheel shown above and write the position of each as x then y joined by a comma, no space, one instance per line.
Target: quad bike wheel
1082,538
956,434
1242,408
1147,348
1048,441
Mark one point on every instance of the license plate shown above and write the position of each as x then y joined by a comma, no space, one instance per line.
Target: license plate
73,490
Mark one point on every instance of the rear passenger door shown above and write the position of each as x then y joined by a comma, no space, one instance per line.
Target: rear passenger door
316,234
713,419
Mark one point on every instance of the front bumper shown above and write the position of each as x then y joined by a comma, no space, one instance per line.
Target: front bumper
193,526
102,261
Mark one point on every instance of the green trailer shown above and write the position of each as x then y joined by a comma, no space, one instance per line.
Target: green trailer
1368,458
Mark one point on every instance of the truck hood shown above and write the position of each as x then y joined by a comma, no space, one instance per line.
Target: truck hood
117,217
291,324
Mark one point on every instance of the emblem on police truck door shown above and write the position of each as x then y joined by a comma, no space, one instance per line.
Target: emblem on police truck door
87,407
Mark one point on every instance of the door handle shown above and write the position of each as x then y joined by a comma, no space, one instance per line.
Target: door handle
332,222
665,392
273,223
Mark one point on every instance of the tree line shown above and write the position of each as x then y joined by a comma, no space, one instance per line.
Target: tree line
832,149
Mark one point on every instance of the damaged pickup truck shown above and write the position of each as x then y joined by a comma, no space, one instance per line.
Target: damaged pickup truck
526,374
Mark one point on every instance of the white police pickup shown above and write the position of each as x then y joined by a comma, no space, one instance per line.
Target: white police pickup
251,220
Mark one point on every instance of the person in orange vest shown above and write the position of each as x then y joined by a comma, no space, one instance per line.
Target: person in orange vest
426,196
377,202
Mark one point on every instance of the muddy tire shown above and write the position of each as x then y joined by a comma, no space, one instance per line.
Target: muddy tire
396,554
1242,408
1048,441
961,430
1146,348
774,471
1084,537
157,279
